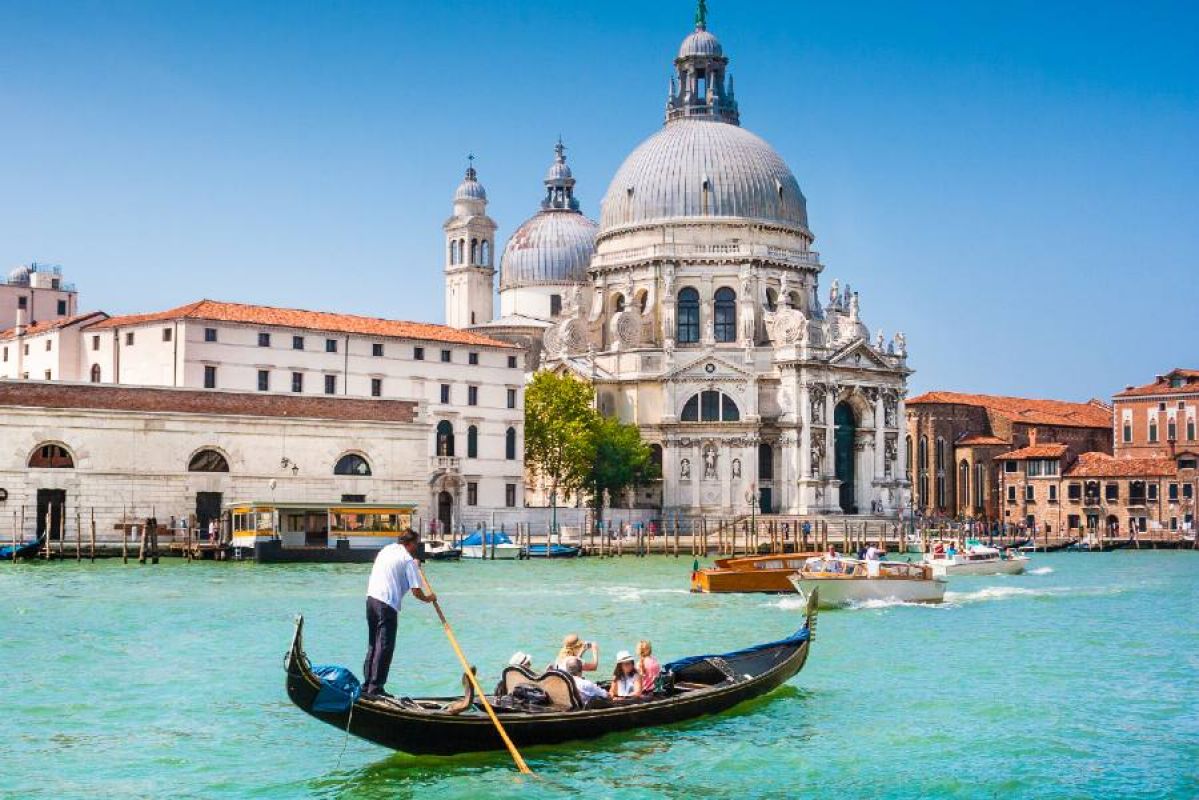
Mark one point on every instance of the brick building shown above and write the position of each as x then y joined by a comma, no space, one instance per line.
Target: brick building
954,440
1157,420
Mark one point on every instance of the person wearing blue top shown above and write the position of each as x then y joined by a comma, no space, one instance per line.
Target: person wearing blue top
394,574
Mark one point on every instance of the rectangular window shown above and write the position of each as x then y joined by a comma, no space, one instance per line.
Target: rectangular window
1190,429
377,349
1111,492
62,308
330,384
1153,430
1033,468
297,381
47,374
297,343
129,338
209,377
1171,430
166,334
1010,466
1152,489
1011,494
26,348
511,362
1127,431
1188,463
1053,492
472,359
472,493
376,387
210,334
95,342
5,354
330,345
510,495
264,380
445,356
1172,492
23,302
1072,521
1030,494
418,353
445,393
264,340
1188,491
472,395
49,344
511,398
1074,492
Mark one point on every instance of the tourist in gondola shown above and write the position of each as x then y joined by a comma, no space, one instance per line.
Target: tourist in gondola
626,682
588,690
573,646
648,666
394,574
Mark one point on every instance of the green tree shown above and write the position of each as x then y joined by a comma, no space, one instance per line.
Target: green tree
621,460
559,423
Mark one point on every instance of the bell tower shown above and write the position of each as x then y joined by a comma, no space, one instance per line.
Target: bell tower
469,255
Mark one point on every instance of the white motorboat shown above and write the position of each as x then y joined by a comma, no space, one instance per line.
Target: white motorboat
975,559
438,550
844,581
490,545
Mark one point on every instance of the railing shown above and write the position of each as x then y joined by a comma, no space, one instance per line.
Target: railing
805,257
444,463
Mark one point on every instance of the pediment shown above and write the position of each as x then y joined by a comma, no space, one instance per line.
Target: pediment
708,367
858,355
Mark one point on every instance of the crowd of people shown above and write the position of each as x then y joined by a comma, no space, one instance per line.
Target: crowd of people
634,674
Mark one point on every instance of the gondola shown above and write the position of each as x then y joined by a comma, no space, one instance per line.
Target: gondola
692,687
27,549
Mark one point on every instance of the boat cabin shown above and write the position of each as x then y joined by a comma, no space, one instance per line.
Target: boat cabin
853,568
316,525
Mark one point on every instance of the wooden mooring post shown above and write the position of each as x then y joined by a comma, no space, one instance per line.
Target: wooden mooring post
78,536
124,538
48,531
14,538
92,538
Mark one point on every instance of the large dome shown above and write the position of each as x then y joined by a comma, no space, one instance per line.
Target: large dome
695,168
553,246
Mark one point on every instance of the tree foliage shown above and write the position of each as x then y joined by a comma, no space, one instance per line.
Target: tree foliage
621,461
559,421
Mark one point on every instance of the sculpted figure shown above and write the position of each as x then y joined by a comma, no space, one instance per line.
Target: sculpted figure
709,463
685,469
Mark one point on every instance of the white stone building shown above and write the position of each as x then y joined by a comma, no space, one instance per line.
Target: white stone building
35,294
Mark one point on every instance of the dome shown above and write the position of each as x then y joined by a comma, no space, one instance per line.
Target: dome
553,246
700,43
703,168
558,171
470,189
19,276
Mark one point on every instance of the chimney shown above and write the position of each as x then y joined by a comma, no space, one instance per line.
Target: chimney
1032,437
18,329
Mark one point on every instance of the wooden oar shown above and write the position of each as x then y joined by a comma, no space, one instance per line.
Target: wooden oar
470,673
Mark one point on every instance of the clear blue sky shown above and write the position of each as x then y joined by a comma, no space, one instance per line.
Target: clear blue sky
1015,185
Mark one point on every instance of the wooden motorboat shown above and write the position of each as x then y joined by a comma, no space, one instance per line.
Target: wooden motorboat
554,550
750,574
975,559
693,687
842,581
438,550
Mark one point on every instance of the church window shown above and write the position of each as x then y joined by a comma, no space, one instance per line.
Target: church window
352,464
472,442
445,438
555,305
772,300
485,252
454,251
642,300
474,251
51,456
710,406
208,460
725,315
618,302
687,326
95,373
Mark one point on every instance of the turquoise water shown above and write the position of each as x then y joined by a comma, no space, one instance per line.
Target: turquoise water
1078,680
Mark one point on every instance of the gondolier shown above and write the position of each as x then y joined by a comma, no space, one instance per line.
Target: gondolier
393,575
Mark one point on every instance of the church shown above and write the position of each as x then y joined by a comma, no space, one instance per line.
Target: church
694,307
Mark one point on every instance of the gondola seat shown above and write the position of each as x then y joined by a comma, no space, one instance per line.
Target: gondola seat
557,684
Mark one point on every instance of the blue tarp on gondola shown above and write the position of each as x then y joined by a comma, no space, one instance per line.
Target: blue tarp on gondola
339,688
797,638
493,537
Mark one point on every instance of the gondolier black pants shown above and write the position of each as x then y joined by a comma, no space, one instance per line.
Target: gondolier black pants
381,624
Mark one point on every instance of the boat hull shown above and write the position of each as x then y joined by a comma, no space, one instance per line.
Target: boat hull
839,592
505,552
944,568
553,551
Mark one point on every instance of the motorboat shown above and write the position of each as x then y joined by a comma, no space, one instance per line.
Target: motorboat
439,550
554,550
750,574
844,581
975,559
495,545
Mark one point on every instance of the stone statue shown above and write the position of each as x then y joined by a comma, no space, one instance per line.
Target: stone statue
854,308
890,409
736,468
845,298
710,463
668,279
901,344
685,469
834,294
817,455
817,401
880,341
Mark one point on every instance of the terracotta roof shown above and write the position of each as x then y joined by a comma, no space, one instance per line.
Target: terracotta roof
35,328
1101,465
980,440
1091,414
1047,450
217,311
1190,385
109,397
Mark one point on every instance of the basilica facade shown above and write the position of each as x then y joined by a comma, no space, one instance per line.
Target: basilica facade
695,309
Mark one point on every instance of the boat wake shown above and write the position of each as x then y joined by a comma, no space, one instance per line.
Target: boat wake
993,593
635,594
1040,571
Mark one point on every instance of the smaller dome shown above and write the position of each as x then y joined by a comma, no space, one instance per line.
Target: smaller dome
470,188
558,171
554,246
700,43
19,276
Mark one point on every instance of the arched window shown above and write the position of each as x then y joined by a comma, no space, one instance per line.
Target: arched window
208,460
474,251
710,406
472,442
485,253
454,251
655,456
445,438
772,300
687,325
51,456
907,457
765,462
352,464
510,444
980,478
922,466
641,299
725,315
793,299
617,302
555,305
95,373
963,484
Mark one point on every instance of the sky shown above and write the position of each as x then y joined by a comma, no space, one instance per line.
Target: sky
1014,185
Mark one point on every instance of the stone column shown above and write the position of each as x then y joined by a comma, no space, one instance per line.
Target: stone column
799,482
901,449
829,468
880,443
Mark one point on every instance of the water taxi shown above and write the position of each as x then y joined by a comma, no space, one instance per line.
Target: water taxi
843,581
273,532
750,574
975,559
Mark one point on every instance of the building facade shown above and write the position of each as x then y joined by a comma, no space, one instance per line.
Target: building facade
35,294
1158,419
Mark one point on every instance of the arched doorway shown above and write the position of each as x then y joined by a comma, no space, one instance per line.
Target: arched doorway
445,511
845,431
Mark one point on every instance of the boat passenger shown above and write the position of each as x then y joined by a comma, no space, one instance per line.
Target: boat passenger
518,659
648,666
572,645
588,690
625,680
873,553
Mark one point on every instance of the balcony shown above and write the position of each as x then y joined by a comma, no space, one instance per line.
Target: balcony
444,463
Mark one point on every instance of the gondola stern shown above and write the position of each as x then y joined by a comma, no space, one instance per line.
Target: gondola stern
812,612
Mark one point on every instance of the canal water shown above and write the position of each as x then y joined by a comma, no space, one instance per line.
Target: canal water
1077,680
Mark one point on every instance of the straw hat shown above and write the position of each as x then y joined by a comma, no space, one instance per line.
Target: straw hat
572,645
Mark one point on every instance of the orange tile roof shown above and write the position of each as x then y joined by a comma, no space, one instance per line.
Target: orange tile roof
35,328
217,311
980,440
1091,414
1049,450
1101,465
1162,385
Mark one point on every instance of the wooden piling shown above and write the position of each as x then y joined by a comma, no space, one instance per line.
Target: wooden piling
48,532
78,536
91,552
124,538
14,538
141,549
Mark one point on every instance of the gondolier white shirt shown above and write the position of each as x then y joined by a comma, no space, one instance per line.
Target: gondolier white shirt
393,575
